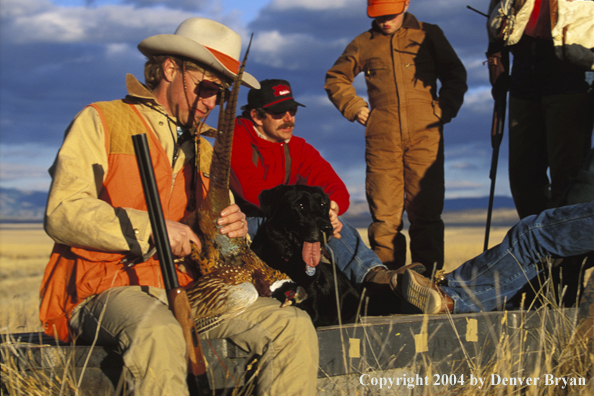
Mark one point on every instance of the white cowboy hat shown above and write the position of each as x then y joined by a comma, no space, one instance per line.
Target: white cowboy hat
205,41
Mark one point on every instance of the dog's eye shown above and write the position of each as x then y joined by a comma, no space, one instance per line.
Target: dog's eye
301,207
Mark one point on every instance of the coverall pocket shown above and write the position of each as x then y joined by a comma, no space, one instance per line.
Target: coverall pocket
374,67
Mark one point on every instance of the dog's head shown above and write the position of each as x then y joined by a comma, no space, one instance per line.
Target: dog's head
301,214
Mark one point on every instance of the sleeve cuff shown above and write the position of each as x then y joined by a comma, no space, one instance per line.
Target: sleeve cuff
137,231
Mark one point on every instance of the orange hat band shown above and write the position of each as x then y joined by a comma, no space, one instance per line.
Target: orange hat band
226,60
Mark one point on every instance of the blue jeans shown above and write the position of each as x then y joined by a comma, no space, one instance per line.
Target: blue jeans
491,278
350,253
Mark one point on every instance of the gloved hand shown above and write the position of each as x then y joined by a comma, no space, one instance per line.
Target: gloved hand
498,62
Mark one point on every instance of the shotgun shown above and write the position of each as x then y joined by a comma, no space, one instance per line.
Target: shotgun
176,295
498,58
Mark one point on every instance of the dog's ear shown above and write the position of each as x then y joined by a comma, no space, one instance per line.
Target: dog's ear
321,191
325,198
266,197
269,199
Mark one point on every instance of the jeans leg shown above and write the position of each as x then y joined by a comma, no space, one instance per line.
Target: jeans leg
351,255
497,274
253,224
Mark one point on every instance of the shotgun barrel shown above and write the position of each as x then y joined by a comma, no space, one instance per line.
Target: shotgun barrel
498,58
176,295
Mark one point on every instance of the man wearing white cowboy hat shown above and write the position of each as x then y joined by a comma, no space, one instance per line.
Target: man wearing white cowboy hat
97,216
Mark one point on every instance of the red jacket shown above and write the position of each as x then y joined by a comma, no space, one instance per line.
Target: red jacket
259,164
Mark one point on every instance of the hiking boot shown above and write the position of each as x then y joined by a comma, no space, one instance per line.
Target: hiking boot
423,294
382,276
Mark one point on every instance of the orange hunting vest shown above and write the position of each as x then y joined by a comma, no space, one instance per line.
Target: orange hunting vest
74,274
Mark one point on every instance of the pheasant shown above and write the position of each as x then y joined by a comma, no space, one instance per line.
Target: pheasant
232,275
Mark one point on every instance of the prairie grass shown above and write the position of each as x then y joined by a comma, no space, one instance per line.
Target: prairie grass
24,251
20,377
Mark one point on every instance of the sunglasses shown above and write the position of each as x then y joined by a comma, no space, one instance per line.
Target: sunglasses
277,115
207,89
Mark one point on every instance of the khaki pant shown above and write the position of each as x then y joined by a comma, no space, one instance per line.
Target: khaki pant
405,171
138,320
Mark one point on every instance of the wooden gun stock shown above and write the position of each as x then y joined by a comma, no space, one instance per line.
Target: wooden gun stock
180,305
176,295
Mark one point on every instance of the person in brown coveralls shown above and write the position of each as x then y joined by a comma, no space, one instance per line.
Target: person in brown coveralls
402,59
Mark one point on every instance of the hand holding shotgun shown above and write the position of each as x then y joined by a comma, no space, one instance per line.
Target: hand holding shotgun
176,295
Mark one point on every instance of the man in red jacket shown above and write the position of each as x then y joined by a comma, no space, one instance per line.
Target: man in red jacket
267,154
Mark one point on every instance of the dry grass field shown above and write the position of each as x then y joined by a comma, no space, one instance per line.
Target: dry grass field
24,251
25,248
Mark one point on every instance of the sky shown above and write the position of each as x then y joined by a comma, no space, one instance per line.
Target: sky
56,56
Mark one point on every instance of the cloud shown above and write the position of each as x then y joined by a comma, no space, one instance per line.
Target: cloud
284,5
188,5
463,165
118,49
479,100
25,167
77,55
19,8
10,172
462,185
292,51
112,23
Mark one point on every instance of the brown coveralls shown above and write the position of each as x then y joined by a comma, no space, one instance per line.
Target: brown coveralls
404,145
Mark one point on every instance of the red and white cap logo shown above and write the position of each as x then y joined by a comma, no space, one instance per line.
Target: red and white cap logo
281,90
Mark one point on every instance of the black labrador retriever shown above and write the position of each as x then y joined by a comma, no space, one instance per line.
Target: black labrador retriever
290,240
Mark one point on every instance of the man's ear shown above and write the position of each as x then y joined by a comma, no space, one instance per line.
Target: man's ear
256,117
169,69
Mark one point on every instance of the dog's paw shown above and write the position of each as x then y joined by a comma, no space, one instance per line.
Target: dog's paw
289,293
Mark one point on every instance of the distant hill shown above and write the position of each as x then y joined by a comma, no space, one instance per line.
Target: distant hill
23,206
358,213
457,204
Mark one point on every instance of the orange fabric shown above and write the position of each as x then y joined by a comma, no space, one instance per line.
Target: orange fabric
227,61
73,274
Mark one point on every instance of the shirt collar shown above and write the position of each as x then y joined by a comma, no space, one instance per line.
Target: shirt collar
137,89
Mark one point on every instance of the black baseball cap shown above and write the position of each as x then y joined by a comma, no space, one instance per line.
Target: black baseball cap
273,95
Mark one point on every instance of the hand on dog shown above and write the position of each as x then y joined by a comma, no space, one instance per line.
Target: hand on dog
336,224
233,220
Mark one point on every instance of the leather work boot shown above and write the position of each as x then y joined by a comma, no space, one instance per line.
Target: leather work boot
423,294
383,276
